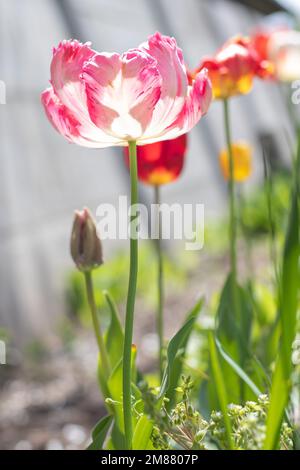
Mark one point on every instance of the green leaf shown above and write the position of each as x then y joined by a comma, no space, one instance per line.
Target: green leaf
114,340
99,433
142,433
176,344
176,370
115,337
238,369
234,331
220,387
235,327
281,382
117,439
115,387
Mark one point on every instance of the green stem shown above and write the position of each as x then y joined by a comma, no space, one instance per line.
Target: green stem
130,301
232,225
160,285
96,323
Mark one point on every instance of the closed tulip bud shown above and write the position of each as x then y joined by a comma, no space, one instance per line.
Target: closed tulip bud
86,249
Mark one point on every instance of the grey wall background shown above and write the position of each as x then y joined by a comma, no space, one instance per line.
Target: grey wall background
43,179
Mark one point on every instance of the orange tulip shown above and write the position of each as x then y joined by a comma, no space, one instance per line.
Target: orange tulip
242,162
161,162
234,67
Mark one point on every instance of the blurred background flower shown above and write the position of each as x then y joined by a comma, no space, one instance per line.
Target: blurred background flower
242,162
284,51
234,67
162,162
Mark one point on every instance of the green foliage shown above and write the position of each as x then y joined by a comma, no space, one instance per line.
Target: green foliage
234,330
113,277
183,427
220,386
4,335
175,366
176,350
242,355
248,424
254,211
99,433
142,434
114,338
36,351
238,370
289,291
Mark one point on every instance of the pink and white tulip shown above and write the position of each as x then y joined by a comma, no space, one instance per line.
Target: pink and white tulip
107,99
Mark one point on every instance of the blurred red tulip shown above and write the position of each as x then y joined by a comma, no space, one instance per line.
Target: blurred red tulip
262,34
161,162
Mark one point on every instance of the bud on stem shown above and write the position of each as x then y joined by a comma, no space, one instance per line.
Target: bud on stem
86,249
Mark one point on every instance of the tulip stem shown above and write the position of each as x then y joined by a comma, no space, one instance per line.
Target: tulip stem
96,323
233,221
133,270
160,284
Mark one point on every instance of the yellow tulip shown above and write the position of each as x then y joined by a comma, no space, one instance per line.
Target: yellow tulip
242,162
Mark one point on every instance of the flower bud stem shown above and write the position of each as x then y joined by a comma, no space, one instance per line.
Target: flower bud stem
96,323
232,228
133,270
160,285
236,307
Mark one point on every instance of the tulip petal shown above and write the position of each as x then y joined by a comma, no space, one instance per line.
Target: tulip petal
67,124
122,92
66,69
196,105
109,99
171,67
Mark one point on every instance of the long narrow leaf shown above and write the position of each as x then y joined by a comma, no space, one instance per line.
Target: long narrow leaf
115,336
234,331
175,347
142,433
176,370
220,386
100,432
238,369
281,383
